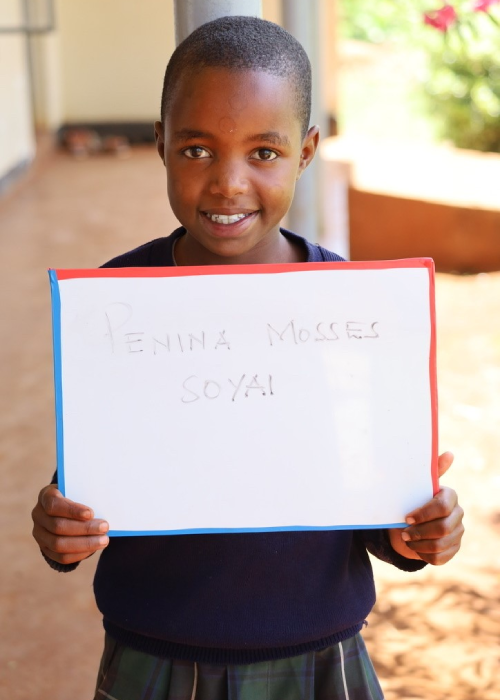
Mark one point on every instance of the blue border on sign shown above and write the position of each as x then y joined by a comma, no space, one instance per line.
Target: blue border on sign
228,531
57,351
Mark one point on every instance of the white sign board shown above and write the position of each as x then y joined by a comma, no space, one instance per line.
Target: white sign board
246,398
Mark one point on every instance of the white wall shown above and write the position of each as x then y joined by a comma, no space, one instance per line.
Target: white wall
16,129
113,55
271,10
47,86
11,13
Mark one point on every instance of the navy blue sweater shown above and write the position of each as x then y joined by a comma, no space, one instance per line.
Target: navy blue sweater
243,597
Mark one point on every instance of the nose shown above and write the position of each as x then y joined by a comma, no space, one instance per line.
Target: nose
228,179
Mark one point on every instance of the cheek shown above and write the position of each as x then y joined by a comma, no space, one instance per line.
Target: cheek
177,196
277,191
172,189
180,189
179,178
281,195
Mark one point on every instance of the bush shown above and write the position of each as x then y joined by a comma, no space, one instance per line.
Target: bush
462,82
463,94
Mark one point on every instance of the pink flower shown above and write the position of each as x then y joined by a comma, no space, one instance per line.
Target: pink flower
484,5
443,18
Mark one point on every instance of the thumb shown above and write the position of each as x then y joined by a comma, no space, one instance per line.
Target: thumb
444,462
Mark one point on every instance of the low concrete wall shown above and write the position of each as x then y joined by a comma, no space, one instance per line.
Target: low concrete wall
389,199
459,239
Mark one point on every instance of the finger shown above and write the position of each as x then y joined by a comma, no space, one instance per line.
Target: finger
430,553
65,558
76,545
66,527
435,546
432,546
444,462
440,506
435,529
55,504
63,548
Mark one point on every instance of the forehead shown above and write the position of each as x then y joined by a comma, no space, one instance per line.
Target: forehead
223,101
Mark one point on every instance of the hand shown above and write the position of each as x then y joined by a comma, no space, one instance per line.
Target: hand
435,530
66,531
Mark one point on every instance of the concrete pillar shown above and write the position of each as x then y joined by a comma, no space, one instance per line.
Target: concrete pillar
336,181
190,14
304,20
336,170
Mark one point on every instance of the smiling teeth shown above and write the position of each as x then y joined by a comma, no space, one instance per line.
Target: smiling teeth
223,219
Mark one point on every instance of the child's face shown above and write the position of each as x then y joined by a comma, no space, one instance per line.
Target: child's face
232,147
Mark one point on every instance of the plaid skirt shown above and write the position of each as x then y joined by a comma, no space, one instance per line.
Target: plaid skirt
341,671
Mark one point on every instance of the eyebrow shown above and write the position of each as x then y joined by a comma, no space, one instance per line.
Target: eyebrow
271,137
187,134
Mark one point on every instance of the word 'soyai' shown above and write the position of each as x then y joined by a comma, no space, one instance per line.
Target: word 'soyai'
247,385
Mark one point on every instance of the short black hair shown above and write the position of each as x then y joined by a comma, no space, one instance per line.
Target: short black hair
243,43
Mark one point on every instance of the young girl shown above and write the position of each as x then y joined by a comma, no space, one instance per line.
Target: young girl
250,615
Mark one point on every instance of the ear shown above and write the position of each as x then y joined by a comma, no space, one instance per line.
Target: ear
309,146
160,140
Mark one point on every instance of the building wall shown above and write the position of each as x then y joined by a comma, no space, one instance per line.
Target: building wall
46,67
113,55
17,145
104,62
272,11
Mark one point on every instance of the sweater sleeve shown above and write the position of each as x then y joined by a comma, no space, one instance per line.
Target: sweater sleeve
61,568
377,542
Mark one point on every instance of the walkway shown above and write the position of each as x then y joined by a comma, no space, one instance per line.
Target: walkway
433,636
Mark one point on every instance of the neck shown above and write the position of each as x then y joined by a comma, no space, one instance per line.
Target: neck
274,249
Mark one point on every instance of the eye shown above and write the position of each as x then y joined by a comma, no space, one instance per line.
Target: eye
196,152
264,154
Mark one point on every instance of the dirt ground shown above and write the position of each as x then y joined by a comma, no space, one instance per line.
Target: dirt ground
433,635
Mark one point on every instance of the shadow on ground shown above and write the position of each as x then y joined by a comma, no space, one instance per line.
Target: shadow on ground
436,641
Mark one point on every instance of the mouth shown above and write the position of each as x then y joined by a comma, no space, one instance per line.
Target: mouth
228,219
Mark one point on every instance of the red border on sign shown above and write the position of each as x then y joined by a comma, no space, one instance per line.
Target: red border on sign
187,270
